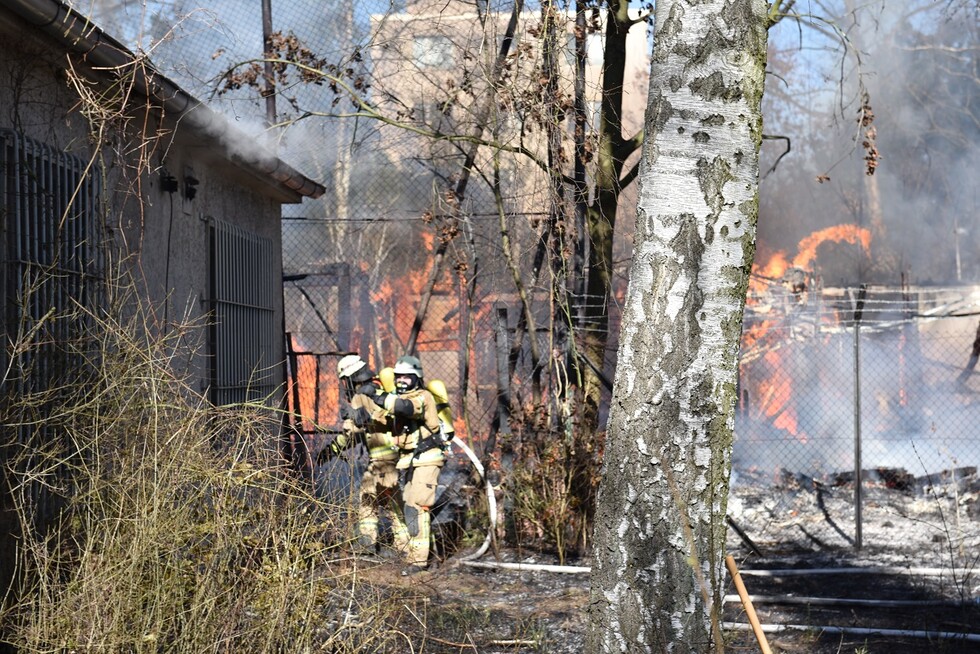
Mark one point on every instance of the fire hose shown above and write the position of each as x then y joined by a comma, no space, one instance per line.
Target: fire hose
470,559
491,500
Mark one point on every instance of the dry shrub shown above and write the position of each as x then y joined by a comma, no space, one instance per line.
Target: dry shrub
148,520
151,521
552,483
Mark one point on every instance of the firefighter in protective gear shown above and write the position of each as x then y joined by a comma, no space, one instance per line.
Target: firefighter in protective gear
365,423
418,435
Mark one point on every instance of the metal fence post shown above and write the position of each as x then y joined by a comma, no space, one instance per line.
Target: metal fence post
502,342
858,311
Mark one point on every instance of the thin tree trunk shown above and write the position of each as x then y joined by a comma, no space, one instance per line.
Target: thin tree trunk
460,191
558,217
526,321
611,154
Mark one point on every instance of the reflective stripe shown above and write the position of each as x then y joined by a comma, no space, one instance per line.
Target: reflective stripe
399,535
368,525
383,453
430,457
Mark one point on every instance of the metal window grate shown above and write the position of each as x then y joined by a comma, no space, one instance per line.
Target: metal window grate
52,281
244,365
53,259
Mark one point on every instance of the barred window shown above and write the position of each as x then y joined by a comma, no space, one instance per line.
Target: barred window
53,263
244,338
51,284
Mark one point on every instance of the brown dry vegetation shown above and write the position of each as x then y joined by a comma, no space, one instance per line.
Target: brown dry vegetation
182,531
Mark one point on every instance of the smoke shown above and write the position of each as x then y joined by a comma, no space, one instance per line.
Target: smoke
197,44
910,58
912,411
247,140
909,408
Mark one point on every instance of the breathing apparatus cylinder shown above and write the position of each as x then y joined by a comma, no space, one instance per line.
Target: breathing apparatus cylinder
441,395
387,378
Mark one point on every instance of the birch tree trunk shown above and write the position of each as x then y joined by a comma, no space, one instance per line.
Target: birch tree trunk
658,566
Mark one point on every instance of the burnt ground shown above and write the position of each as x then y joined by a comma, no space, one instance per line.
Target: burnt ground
918,565
921,539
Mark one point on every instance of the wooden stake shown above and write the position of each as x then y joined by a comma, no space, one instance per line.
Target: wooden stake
747,603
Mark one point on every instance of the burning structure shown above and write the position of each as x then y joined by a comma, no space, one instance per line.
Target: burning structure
837,378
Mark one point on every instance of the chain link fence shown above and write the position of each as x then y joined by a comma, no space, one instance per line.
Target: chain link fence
875,382
831,381
367,300
828,388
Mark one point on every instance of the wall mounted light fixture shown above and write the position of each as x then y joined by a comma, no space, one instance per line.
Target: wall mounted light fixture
190,184
168,183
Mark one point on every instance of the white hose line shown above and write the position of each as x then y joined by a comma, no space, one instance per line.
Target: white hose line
839,601
527,567
491,500
470,559
855,631
795,572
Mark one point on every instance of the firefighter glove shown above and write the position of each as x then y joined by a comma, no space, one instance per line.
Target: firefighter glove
361,417
368,389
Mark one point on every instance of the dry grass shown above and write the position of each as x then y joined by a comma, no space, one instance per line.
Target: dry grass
172,525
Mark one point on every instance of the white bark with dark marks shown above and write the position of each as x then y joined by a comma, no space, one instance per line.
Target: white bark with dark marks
659,536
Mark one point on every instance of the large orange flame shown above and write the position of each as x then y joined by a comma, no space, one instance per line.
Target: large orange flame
774,394
807,248
396,301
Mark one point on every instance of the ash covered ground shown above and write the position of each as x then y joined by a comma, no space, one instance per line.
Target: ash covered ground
918,568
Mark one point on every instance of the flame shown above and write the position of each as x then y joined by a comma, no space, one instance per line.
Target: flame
396,302
313,397
774,268
754,334
303,388
382,311
762,277
807,248
774,392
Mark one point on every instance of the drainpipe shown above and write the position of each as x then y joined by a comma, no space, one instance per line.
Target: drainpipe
100,50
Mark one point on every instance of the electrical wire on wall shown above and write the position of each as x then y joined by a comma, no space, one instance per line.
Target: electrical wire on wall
169,186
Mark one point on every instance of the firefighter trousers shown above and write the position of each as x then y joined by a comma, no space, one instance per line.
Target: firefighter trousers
419,496
379,496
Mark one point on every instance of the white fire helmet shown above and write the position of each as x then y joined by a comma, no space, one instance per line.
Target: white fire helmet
349,365
408,365
411,367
